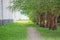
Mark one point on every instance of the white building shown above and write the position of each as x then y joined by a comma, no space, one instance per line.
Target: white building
5,14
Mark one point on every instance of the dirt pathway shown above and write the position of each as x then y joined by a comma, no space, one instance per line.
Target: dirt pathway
33,34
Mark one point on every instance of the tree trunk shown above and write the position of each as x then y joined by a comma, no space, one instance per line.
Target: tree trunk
55,23
52,23
42,20
48,20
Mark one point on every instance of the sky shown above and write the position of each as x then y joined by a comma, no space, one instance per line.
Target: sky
18,15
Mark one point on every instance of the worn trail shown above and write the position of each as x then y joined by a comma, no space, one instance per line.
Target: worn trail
33,34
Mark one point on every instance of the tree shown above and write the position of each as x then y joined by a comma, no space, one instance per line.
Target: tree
39,11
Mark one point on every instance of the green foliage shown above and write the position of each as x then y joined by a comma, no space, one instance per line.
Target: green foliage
33,8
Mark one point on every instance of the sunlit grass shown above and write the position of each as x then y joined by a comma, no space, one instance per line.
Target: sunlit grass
21,22
24,22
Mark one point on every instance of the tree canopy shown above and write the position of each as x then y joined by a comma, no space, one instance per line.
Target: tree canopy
35,6
38,10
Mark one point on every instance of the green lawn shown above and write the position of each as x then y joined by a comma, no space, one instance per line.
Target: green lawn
13,31
18,31
49,34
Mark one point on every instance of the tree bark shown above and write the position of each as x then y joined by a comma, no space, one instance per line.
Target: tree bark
55,23
42,19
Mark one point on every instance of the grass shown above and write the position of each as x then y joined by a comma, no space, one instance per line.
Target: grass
13,31
49,34
45,32
18,31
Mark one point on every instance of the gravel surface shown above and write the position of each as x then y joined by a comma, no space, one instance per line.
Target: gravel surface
33,34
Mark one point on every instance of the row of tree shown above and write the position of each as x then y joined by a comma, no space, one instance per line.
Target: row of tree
41,12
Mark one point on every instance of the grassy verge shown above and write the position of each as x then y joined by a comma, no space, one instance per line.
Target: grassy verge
49,34
45,32
18,31
13,31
